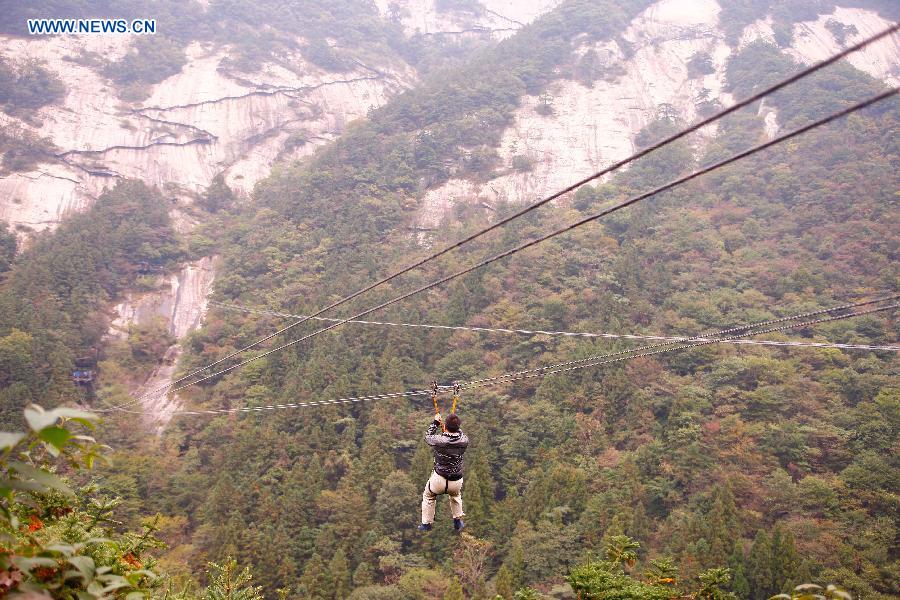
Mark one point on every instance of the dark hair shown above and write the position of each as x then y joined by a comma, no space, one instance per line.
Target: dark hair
453,423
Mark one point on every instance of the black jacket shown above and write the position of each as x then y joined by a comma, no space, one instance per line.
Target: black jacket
448,451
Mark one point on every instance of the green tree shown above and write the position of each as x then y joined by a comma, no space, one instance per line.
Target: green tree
739,584
604,579
506,587
785,560
227,583
722,526
339,568
454,590
772,563
315,583
759,567
622,550
218,196
711,583
8,246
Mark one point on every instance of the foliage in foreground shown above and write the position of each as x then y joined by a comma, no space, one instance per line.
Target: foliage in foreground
57,540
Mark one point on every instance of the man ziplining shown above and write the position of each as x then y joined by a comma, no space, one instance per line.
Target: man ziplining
449,444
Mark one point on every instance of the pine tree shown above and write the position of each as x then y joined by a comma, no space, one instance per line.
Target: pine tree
759,567
784,560
375,456
515,564
421,465
393,503
226,584
218,195
340,574
315,584
721,525
505,585
739,584
478,495
454,590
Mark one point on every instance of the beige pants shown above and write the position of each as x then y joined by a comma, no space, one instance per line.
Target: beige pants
438,485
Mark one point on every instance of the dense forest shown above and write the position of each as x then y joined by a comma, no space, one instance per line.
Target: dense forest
55,295
717,472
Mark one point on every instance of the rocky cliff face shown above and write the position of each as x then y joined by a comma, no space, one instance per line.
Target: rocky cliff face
205,120
196,124
495,18
200,122
180,300
592,125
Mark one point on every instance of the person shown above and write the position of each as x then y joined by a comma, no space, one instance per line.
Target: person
447,477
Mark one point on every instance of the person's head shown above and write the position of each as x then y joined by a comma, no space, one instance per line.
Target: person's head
453,423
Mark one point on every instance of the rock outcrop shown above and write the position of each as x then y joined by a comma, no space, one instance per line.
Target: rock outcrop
205,120
495,19
180,301
196,124
594,124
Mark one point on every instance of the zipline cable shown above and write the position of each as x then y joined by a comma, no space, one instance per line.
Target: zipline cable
672,184
549,333
568,366
591,361
653,349
699,125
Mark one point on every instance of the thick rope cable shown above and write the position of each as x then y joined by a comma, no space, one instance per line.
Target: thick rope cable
672,184
551,333
592,361
617,165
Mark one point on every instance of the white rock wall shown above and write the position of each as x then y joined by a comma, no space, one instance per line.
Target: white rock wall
496,18
194,125
595,126
181,302
813,42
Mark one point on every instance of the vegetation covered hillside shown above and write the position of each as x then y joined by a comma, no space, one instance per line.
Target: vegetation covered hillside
722,471
777,464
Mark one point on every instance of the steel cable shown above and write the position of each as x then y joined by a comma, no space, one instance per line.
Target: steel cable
617,165
591,361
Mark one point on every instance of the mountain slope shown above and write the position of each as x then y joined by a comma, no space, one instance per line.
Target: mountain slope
180,110
775,463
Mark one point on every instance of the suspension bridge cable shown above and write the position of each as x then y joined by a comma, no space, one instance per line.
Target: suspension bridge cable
589,362
672,184
699,125
576,334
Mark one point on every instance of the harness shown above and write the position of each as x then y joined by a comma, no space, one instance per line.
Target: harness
446,484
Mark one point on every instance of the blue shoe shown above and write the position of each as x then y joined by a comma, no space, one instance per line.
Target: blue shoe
424,527
458,524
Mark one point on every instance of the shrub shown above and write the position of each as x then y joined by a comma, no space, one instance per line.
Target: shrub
28,85
56,539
